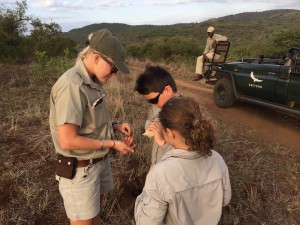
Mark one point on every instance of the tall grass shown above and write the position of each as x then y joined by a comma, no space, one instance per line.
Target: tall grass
265,177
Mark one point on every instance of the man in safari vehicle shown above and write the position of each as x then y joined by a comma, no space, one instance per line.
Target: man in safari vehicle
208,53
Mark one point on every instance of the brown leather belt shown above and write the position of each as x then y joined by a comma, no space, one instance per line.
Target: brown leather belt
84,163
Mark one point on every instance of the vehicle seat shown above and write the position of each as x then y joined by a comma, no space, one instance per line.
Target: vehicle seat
219,57
288,62
220,53
297,65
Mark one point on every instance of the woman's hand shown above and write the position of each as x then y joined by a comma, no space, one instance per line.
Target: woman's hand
124,128
125,146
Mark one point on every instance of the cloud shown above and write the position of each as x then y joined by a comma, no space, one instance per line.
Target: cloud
43,4
147,11
74,4
92,4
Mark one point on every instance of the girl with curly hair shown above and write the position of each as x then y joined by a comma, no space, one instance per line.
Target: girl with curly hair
191,182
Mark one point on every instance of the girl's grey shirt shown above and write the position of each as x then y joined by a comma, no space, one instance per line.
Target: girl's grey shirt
184,188
157,151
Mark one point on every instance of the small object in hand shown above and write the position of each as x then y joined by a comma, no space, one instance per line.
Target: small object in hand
148,134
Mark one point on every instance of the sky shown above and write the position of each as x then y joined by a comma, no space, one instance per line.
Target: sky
70,14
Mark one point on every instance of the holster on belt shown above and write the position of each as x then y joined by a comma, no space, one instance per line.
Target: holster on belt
66,166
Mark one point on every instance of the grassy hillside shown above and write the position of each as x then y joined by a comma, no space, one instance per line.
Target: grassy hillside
264,175
242,29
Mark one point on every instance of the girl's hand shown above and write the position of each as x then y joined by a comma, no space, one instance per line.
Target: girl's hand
156,129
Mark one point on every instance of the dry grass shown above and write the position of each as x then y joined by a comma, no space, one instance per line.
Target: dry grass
265,176
265,179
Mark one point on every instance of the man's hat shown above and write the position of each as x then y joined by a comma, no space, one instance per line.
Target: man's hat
210,29
104,42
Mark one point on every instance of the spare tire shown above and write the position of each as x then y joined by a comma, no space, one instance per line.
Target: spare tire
223,93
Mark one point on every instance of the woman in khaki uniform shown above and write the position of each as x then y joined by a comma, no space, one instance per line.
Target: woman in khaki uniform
82,130
191,182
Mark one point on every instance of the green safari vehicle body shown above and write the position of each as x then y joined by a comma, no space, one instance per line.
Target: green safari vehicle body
274,83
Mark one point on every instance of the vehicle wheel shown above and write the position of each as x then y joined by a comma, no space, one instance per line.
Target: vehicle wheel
223,93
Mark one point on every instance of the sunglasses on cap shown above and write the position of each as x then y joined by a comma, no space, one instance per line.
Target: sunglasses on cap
155,100
114,69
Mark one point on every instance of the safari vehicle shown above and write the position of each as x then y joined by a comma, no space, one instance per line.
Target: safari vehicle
273,83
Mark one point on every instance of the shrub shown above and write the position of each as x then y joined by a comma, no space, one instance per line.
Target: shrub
47,69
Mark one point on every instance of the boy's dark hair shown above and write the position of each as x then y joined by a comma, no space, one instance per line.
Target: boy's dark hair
154,79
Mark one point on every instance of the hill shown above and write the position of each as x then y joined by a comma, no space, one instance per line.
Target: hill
242,28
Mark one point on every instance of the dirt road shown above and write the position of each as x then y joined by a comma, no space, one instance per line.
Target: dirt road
271,125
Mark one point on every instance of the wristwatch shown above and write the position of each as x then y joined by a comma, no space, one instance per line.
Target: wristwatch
101,145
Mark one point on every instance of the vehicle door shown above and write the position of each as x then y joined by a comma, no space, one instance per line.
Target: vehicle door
293,92
259,80
284,80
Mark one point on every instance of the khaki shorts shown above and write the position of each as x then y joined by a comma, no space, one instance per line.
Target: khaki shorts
81,195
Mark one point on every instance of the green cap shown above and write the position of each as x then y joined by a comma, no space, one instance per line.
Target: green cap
104,42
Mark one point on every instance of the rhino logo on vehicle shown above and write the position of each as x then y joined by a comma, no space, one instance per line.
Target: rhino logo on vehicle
254,78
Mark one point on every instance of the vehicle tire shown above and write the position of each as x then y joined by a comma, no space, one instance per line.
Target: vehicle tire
223,93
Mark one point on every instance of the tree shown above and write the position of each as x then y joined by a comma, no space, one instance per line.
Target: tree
43,37
285,40
12,29
43,31
13,23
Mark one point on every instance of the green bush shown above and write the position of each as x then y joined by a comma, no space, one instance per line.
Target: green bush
8,53
46,70
168,49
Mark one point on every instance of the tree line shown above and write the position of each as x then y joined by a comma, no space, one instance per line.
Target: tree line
22,36
178,48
